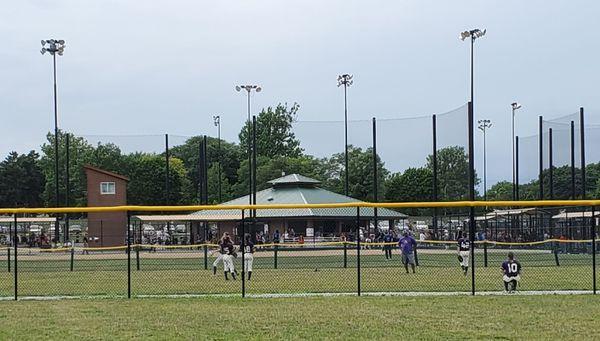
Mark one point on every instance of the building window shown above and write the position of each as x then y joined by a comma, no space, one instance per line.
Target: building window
107,188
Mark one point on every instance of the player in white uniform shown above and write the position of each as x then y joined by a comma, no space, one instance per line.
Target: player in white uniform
222,252
463,248
228,258
248,255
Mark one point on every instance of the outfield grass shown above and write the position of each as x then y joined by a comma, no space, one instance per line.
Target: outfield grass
315,318
49,275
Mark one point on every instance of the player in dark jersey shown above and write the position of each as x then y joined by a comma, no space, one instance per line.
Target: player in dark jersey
388,240
463,248
222,251
248,255
511,273
229,249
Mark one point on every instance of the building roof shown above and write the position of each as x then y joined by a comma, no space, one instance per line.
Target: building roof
28,219
297,189
294,179
503,214
98,170
575,214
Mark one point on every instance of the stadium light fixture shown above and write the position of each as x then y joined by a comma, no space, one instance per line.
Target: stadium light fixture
55,47
514,107
473,34
346,81
249,88
483,125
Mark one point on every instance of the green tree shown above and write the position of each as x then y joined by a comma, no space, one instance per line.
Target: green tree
147,186
274,134
360,173
21,180
414,184
228,155
213,185
453,173
502,190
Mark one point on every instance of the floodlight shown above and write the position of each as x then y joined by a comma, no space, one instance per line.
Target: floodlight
237,88
43,43
516,105
464,35
258,89
62,42
43,51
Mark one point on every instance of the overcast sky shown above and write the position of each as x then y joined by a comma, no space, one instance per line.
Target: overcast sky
155,67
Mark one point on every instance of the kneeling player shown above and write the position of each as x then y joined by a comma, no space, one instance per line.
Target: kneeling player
511,271
464,245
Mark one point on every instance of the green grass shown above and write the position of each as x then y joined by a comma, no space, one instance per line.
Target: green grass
316,318
50,275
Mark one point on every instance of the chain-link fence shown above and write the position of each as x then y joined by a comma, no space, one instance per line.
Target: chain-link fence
553,247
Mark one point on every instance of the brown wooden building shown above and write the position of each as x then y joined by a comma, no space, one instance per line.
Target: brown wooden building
106,188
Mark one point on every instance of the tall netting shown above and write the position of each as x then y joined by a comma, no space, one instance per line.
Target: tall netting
563,149
528,171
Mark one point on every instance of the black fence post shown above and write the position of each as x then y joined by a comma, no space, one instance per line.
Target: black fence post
550,164
471,194
556,248
582,152
205,256
72,257
375,179
594,249
242,250
541,157
137,257
516,168
167,171
345,254
358,249
434,196
275,256
16,256
128,255
485,254
8,258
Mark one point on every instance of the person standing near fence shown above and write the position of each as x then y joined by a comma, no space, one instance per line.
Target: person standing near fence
388,239
228,257
407,246
464,245
222,252
248,256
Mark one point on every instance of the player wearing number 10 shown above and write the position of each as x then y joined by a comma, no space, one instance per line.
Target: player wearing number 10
511,270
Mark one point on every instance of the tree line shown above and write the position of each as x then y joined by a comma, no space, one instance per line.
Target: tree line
27,180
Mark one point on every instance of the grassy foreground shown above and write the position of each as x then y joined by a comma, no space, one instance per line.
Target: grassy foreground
505,317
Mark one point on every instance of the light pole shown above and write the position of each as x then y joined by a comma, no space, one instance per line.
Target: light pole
514,106
473,34
249,89
483,125
217,121
346,81
55,47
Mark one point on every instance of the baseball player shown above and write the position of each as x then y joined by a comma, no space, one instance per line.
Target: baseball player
228,258
511,273
407,246
463,248
222,252
248,255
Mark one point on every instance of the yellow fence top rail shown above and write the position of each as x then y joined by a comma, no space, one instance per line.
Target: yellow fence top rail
184,208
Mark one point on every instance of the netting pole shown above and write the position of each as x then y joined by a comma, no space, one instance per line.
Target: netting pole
541,157
200,171
101,233
167,171
485,254
8,258
346,180
15,242
128,255
253,179
582,146
516,167
358,249
67,186
205,169
471,195
276,247
435,173
550,164
375,177
573,191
